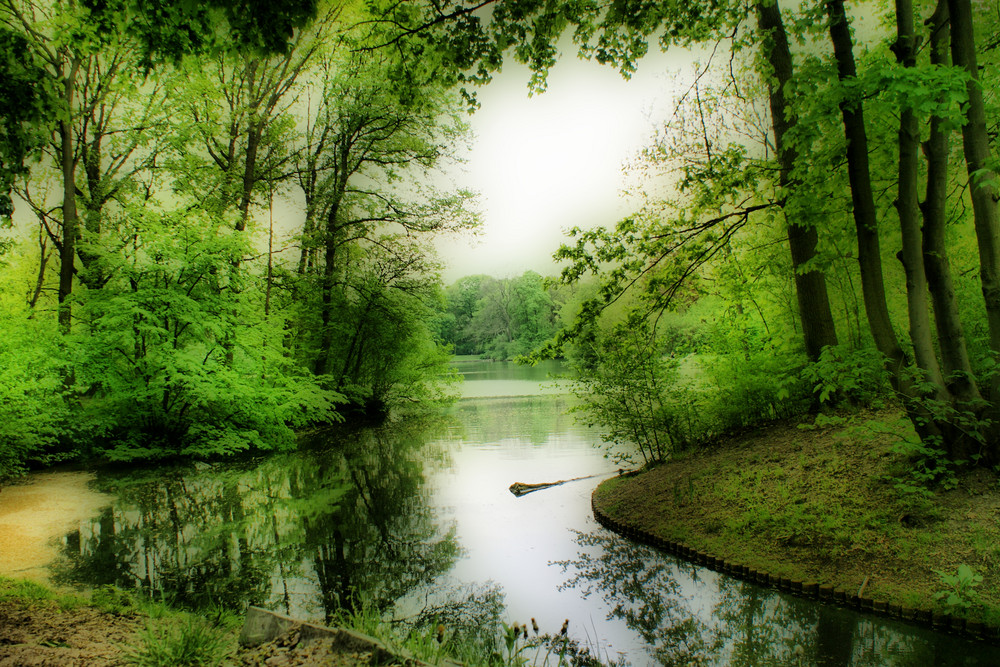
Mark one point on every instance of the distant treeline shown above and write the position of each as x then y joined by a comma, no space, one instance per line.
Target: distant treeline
503,318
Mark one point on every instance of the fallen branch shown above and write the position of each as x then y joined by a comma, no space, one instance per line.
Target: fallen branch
520,488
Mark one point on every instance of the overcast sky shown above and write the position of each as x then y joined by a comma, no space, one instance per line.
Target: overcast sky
546,163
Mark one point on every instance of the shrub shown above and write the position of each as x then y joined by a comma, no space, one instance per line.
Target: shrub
192,644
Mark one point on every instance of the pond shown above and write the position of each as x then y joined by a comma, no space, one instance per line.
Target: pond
415,519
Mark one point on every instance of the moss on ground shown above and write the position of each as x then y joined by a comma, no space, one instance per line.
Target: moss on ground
831,500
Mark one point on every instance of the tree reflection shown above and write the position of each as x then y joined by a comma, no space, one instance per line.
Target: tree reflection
641,589
532,418
309,533
689,615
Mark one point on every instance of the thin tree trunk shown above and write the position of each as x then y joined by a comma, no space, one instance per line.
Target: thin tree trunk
982,180
908,209
818,328
249,176
951,336
322,365
70,223
865,218
43,260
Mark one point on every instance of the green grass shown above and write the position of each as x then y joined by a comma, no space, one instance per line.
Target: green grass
192,643
172,637
830,503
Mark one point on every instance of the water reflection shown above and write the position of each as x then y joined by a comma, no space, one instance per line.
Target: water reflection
415,518
312,532
690,615
535,419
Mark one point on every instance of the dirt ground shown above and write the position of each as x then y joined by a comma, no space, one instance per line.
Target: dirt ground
42,634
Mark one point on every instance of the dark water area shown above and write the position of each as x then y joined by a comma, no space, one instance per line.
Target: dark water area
414,519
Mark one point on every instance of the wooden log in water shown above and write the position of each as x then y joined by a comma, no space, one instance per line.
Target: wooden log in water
520,488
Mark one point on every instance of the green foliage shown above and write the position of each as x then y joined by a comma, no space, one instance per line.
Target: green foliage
193,643
752,387
959,592
500,318
24,589
34,408
171,29
927,466
27,100
170,363
842,376
633,393
111,600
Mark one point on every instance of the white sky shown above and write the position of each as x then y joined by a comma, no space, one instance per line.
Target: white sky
546,163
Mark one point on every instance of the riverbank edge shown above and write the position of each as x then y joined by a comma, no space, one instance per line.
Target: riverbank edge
816,590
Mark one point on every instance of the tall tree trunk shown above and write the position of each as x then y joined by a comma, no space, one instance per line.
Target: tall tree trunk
818,328
865,217
70,224
951,336
322,365
908,209
983,187
249,176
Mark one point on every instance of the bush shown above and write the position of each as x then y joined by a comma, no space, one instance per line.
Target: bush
193,644
754,387
634,394
843,376
33,409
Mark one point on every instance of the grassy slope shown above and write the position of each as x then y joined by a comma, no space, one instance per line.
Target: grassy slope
821,504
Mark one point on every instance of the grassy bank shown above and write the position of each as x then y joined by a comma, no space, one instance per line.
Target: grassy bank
836,500
105,627
109,627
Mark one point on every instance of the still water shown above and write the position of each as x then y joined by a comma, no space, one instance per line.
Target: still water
415,519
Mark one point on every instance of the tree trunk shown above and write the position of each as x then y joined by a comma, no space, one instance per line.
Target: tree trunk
908,209
322,365
951,336
865,218
70,224
982,180
818,328
249,176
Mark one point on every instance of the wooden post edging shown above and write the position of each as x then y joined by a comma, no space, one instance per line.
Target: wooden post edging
824,593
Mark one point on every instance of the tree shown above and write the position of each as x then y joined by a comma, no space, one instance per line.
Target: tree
361,140
171,29
818,329
462,299
97,127
983,187
27,102
955,361
166,374
649,256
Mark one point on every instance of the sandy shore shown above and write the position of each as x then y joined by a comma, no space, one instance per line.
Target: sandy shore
36,513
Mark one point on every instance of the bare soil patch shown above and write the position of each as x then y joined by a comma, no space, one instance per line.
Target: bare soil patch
42,633
46,633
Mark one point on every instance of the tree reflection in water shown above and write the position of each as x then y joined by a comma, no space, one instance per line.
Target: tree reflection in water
690,615
310,533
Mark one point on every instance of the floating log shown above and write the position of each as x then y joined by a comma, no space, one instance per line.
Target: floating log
520,488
